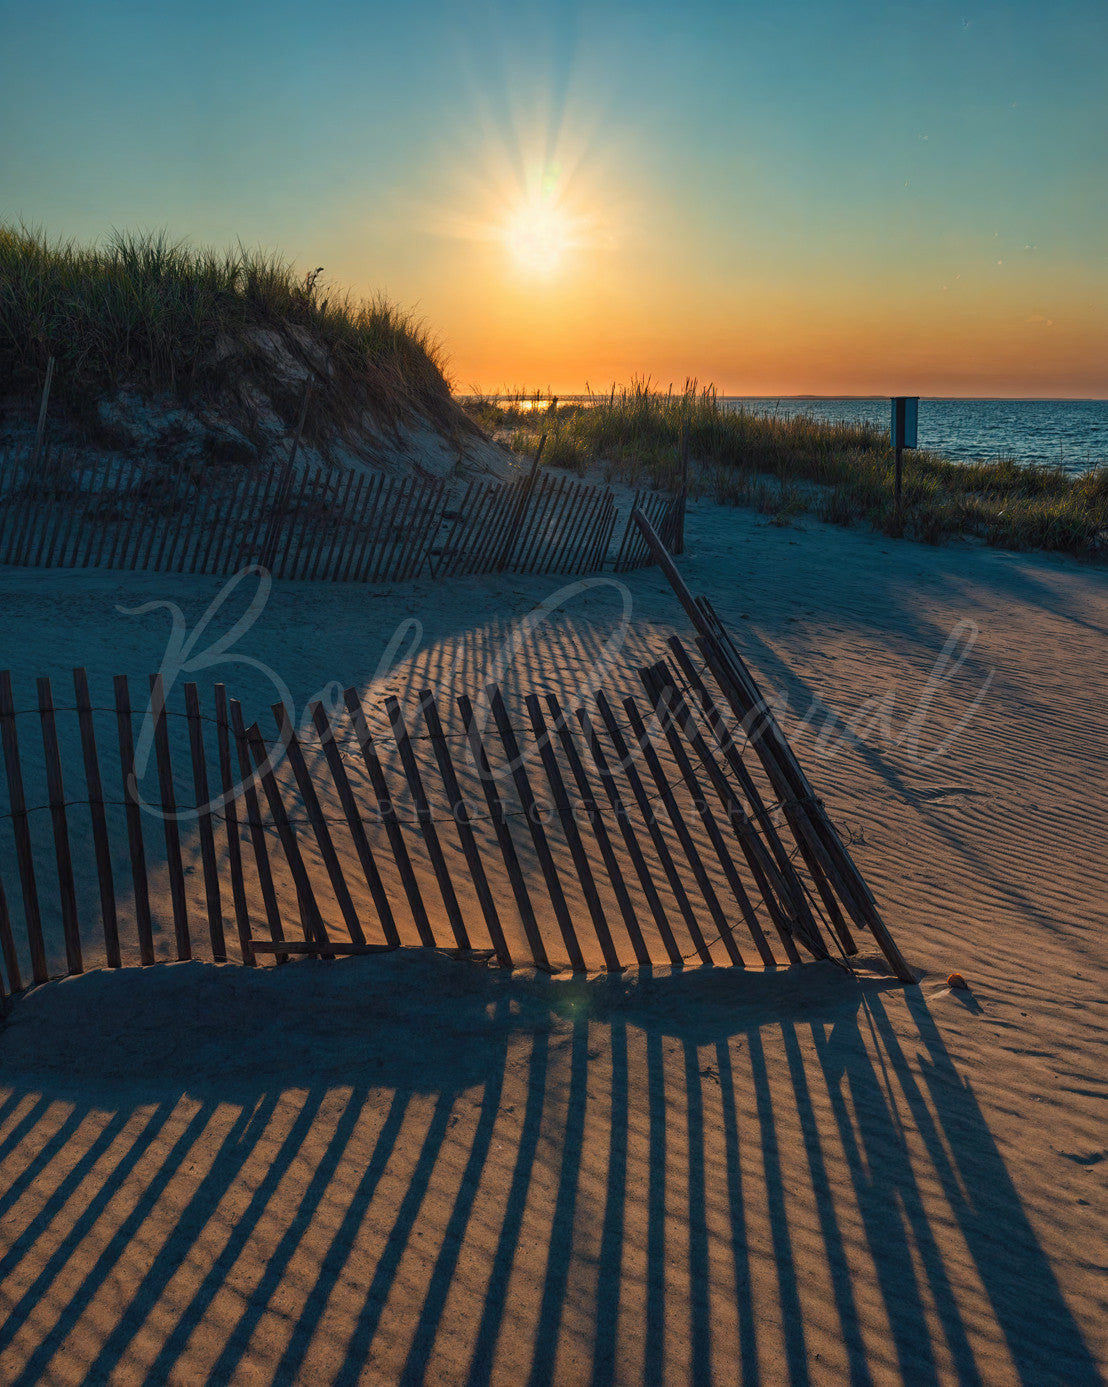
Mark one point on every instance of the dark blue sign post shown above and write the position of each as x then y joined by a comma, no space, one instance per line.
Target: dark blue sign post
903,432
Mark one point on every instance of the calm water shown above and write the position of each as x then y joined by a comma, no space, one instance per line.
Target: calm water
1072,433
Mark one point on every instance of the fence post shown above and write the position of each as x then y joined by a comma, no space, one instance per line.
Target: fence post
521,508
269,545
683,493
42,412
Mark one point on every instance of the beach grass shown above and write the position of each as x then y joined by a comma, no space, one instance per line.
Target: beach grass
789,466
147,313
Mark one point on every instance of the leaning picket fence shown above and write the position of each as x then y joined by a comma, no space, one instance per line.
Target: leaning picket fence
670,826
57,510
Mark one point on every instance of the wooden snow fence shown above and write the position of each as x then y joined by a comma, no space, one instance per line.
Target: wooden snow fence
58,510
632,830
666,514
322,524
538,524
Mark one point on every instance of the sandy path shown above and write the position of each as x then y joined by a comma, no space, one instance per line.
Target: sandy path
407,1169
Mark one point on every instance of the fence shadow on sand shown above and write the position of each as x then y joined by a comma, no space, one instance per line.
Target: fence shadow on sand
409,1168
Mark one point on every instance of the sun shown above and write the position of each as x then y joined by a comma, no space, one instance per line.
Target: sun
538,236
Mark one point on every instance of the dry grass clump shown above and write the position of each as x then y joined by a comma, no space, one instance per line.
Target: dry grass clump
147,314
784,467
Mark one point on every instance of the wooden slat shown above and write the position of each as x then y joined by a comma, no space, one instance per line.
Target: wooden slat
337,559
212,901
404,520
189,529
21,829
32,511
508,504
401,519
68,557
504,841
461,507
63,515
572,531
377,512
626,762
248,782
73,508
333,754
426,822
47,510
83,548
359,524
460,813
320,526
634,848
387,809
136,528
103,507
254,517
9,472
420,552
324,529
534,823
133,813
805,814
573,834
23,530
548,557
485,533
325,559
307,523
224,560
7,945
311,918
122,488
542,505
719,843
591,806
760,814
284,562
604,538
231,820
684,837
595,520
169,527
55,789
795,805
514,526
220,524
777,889
152,522
169,818
101,843
631,529
318,822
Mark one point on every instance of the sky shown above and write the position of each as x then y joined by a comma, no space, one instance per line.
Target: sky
798,198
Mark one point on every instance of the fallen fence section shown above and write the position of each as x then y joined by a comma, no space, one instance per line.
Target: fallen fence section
631,830
318,524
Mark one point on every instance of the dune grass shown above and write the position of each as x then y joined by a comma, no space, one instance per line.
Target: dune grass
154,315
785,467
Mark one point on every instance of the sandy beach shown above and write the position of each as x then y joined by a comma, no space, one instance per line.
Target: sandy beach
409,1168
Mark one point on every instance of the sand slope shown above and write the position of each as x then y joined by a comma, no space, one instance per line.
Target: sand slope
408,1169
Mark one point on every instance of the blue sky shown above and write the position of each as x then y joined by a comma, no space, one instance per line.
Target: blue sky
853,197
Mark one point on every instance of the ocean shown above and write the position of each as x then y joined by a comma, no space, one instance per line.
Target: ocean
1072,434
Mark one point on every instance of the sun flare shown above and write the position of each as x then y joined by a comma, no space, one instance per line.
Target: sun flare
538,236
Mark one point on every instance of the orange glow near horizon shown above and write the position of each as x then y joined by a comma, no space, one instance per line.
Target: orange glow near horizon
814,200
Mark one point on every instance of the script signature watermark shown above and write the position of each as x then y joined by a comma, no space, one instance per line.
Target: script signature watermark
204,648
